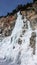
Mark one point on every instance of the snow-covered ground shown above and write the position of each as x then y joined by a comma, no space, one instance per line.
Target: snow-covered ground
14,53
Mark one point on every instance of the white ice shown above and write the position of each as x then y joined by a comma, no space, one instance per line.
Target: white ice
21,54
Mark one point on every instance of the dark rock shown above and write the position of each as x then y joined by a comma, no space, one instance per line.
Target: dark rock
13,47
33,41
19,41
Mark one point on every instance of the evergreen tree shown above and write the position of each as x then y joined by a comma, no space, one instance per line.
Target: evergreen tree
34,0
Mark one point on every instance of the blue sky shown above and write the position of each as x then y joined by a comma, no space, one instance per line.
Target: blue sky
9,5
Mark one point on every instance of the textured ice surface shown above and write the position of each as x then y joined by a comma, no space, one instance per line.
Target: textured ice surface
14,53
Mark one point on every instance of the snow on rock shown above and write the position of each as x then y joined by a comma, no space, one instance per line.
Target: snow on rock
16,49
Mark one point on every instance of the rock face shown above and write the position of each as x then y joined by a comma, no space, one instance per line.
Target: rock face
18,37
33,41
7,25
7,22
